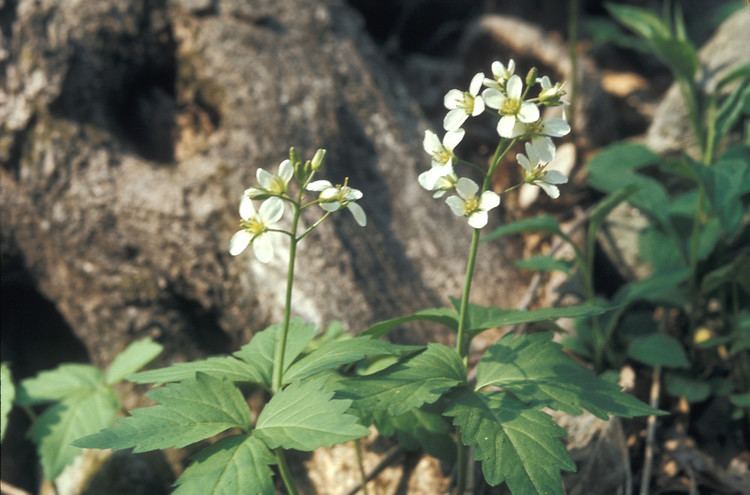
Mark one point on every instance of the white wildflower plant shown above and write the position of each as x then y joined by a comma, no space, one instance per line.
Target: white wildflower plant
317,394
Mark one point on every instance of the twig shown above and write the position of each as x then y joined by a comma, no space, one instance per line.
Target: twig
361,465
8,489
650,431
384,463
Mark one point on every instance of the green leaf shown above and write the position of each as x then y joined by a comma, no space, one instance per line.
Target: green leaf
236,465
134,357
658,350
731,108
481,318
444,316
641,21
661,288
545,264
6,397
420,380
737,271
304,417
536,370
681,385
336,353
259,353
80,414
516,444
740,400
419,429
219,367
602,210
541,223
59,383
186,413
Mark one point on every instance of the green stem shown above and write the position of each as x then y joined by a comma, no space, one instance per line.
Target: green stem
286,474
278,361
463,459
574,8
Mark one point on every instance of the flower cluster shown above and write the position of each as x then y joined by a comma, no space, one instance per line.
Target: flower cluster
520,118
259,227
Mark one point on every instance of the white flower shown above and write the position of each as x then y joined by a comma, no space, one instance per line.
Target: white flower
463,104
500,74
442,154
468,204
554,127
254,228
334,197
511,106
274,184
441,186
534,164
550,94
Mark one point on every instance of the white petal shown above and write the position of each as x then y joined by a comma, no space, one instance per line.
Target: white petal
456,204
555,127
506,125
331,207
358,213
489,200
544,82
466,188
247,209
329,194
265,178
514,87
552,191
431,143
555,177
452,98
318,185
478,219
263,248
439,194
528,113
430,178
271,210
454,119
543,148
519,129
286,171
511,66
476,83
523,161
498,69
493,98
239,242
478,106
452,138
353,194
254,192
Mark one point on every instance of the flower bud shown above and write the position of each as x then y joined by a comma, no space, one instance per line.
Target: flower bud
531,77
317,160
293,157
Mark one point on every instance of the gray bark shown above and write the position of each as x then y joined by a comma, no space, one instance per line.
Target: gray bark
131,129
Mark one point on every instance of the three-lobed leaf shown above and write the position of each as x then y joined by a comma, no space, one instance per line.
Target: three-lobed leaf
408,385
237,465
516,444
187,412
6,397
536,370
134,357
78,415
227,367
305,416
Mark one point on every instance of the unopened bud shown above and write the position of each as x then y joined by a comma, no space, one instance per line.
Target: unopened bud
293,156
531,76
317,160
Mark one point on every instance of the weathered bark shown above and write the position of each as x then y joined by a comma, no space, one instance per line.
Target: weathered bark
130,130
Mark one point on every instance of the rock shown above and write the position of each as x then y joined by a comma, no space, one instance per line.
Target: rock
131,129
670,131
